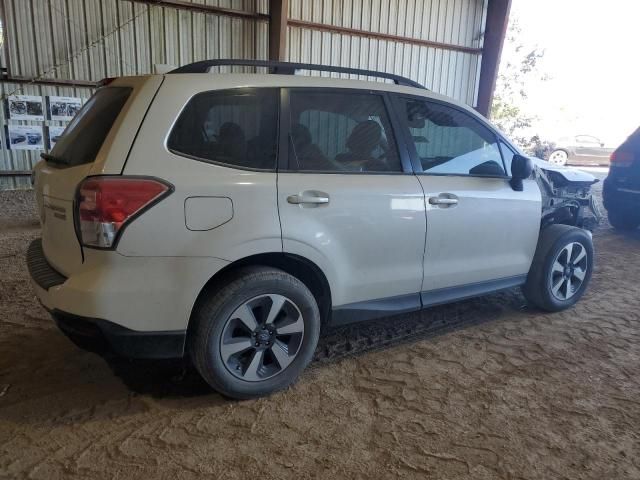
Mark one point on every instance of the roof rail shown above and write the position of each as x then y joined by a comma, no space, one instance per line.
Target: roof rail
288,68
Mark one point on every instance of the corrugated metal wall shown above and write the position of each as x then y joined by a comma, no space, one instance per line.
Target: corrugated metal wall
455,22
93,39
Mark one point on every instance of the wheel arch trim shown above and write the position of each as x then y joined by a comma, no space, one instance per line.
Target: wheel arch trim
300,267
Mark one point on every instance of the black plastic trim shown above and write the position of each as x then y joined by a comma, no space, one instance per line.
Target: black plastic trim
289,68
372,309
451,294
284,129
101,336
386,307
42,273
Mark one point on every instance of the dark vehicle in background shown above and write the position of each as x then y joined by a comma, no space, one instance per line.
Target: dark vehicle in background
17,139
34,138
580,150
621,189
18,108
34,108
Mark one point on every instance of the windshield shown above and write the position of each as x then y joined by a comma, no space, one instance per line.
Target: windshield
84,136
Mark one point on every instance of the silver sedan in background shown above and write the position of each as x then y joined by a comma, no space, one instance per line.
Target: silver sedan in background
580,150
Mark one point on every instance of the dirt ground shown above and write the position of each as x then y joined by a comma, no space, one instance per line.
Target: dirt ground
480,389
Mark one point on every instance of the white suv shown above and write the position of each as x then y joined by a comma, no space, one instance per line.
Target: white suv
229,217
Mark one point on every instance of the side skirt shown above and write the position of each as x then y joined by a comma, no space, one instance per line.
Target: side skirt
453,294
386,307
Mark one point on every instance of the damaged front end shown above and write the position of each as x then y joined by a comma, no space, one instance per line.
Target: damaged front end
566,196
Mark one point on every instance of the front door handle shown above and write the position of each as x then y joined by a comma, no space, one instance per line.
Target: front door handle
309,198
444,201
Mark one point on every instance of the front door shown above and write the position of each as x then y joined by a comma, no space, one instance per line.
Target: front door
591,150
349,202
481,234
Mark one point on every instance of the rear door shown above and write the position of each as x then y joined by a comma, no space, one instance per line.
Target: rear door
591,150
481,234
348,200
96,141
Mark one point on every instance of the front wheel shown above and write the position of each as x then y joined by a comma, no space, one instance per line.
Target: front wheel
561,268
559,157
256,334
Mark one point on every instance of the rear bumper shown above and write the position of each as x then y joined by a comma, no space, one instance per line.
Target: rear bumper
616,195
135,306
101,336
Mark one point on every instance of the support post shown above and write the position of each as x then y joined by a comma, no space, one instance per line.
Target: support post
278,13
495,32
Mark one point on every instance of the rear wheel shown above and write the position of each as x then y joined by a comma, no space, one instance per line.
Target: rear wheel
255,335
558,157
623,220
561,268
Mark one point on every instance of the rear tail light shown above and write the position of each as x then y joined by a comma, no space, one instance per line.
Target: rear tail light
107,204
622,159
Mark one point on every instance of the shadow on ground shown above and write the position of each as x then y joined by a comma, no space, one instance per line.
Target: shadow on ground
178,378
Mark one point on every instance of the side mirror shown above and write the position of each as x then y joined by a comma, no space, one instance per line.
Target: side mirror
521,169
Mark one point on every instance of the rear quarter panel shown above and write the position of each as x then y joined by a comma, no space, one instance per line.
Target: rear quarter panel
113,154
254,227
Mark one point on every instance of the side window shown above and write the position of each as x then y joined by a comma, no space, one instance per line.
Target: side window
587,140
231,127
452,142
341,132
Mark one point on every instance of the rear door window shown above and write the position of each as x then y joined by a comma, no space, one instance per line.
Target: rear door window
86,133
233,127
341,132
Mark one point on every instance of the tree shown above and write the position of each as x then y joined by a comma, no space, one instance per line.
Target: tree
519,68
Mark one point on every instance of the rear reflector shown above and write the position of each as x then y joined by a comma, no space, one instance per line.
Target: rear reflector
622,159
107,204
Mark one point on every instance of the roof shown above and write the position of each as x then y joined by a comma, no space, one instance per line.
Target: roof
198,82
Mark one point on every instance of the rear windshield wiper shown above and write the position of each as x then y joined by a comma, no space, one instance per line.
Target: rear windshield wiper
53,159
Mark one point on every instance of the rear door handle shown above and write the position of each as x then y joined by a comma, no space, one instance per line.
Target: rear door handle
443,201
309,198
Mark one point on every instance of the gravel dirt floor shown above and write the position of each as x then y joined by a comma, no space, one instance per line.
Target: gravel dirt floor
481,389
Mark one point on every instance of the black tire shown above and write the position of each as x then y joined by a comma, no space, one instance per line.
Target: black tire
213,313
622,220
542,277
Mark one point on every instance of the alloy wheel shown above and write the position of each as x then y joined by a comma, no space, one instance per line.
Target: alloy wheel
559,157
568,271
262,337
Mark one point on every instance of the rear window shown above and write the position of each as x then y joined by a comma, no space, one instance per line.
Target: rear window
83,137
232,127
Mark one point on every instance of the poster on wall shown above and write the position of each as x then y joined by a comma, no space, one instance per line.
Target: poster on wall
55,132
24,107
63,108
24,137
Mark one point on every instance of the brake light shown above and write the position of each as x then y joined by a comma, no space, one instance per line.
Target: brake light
621,159
107,204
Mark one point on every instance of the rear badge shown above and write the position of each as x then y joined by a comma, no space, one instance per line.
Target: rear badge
58,212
